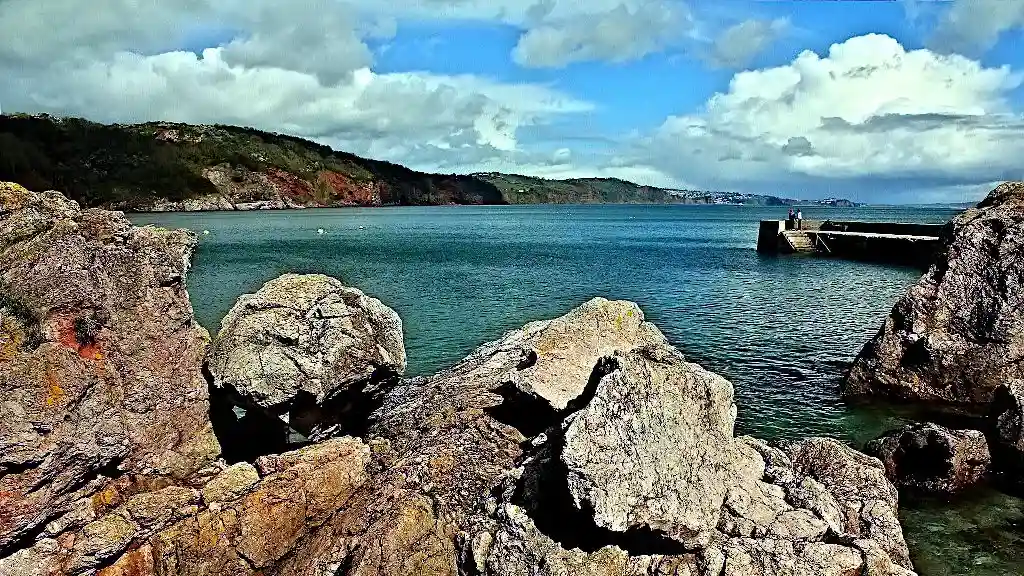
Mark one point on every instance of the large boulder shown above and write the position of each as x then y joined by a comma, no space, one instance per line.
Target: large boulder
100,361
308,349
932,459
957,334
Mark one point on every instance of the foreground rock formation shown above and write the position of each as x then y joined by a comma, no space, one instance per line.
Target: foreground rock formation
932,459
308,350
99,361
958,334
581,445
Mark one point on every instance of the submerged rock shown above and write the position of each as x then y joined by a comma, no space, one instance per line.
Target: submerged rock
308,349
932,459
956,335
100,361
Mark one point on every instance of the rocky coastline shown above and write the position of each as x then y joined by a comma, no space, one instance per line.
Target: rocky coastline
133,443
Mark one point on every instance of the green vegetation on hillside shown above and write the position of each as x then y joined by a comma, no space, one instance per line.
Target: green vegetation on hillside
135,166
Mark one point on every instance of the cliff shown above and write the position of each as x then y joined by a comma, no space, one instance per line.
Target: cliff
162,166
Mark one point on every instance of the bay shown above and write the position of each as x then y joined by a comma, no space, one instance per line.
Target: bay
783,329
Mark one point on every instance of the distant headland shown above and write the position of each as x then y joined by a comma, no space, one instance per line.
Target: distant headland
164,166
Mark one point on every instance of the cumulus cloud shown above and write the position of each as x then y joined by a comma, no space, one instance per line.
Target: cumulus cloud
973,26
621,34
737,45
869,111
303,69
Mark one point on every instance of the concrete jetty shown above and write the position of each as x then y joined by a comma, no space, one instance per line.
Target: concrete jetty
903,243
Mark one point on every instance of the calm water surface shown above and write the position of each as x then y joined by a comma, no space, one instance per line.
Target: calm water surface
782,329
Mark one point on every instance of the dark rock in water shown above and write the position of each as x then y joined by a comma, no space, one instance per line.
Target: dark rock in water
309,350
1006,431
100,361
638,474
932,459
958,333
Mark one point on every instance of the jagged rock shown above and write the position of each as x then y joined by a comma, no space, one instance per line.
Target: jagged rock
169,532
307,348
957,334
647,476
231,484
654,447
928,458
100,363
1006,430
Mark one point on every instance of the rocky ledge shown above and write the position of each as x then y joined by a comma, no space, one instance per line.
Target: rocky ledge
958,334
581,445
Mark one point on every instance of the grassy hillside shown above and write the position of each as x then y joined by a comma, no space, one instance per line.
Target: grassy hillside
169,166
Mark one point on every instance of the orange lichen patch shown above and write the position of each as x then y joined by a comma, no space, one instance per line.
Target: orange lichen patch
10,339
106,499
55,394
138,562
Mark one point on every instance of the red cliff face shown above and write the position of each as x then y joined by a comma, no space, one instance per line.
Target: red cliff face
291,186
348,191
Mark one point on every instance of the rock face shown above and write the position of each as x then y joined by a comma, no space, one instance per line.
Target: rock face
932,459
306,347
958,333
1006,430
99,359
582,445
647,478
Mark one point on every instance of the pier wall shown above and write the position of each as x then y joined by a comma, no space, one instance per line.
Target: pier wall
892,242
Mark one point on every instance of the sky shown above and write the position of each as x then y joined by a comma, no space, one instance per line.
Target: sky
902,101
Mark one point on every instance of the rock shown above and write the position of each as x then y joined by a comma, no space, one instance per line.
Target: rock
949,338
307,348
654,447
1006,430
647,476
168,533
231,484
932,459
100,361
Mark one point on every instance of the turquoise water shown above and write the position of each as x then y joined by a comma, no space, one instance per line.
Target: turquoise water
781,328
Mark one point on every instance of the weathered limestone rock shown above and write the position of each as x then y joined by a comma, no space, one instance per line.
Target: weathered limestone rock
932,459
1006,431
959,332
654,447
100,362
646,477
558,355
305,341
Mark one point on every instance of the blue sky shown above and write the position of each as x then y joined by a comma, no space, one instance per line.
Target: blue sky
879,101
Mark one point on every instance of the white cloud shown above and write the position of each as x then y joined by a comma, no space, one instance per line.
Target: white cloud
621,34
973,26
869,111
738,44
303,69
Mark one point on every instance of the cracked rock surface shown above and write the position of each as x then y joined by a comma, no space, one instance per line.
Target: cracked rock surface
305,341
958,334
582,445
99,360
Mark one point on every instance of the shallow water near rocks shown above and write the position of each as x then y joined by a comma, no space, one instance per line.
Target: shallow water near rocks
783,329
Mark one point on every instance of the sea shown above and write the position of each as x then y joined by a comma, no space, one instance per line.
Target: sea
782,328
